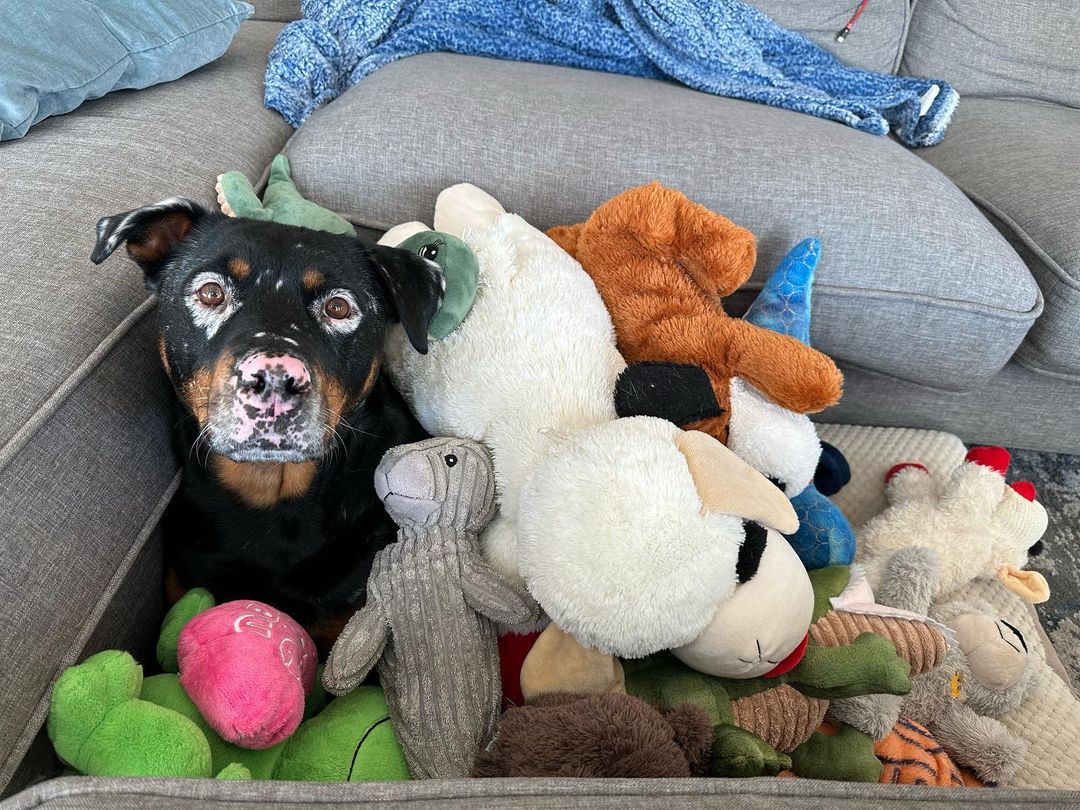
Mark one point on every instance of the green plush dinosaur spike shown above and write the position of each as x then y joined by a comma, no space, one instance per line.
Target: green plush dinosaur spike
461,272
281,202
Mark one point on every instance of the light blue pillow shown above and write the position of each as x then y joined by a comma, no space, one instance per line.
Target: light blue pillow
56,54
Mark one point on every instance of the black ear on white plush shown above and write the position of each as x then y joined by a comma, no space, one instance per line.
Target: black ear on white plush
680,393
150,233
416,286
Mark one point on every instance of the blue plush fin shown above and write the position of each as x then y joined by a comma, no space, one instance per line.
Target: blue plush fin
783,305
824,537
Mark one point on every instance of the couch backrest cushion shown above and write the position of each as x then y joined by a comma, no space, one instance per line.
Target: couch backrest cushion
876,41
1004,48
276,10
55,57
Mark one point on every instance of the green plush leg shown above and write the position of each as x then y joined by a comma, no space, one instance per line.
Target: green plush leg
736,752
828,582
284,203
100,726
166,690
350,741
190,605
867,666
237,197
847,756
235,772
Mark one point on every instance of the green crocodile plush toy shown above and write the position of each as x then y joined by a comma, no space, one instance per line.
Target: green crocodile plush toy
106,719
281,201
796,699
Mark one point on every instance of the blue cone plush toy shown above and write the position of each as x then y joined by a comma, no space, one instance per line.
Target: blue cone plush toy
824,537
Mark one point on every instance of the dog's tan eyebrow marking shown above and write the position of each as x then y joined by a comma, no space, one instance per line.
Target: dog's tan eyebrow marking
312,279
240,268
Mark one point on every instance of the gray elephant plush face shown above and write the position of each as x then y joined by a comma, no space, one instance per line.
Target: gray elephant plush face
447,483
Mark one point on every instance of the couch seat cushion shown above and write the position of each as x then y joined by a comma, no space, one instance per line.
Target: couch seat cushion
914,282
85,461
1020,162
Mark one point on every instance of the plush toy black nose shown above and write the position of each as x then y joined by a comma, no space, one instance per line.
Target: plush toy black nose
750,551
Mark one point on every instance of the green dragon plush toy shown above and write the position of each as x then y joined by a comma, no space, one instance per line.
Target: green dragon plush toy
281,201
787,708
105,719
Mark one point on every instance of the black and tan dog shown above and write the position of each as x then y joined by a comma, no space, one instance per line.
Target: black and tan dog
271,336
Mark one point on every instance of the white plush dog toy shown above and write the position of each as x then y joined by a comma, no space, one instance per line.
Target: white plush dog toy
619,527
977,524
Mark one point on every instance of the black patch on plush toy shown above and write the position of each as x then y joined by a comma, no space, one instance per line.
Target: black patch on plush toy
681,394
833,472
750,551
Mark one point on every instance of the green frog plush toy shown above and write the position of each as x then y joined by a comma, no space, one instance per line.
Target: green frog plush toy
106,719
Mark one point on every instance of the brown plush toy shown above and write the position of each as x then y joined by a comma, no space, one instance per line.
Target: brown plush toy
612,735
662,263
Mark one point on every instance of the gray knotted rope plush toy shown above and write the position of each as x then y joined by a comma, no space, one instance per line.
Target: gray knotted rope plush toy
432,608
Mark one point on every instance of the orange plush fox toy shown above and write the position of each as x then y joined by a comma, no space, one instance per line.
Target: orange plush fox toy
662,263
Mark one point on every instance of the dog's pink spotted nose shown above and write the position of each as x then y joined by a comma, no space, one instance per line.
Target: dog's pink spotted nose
271,384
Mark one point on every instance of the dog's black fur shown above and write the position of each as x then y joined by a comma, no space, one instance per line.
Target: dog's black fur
295,521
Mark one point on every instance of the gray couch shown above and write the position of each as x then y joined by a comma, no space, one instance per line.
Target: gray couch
949,289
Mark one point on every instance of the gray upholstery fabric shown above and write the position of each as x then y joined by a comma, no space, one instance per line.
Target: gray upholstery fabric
876,41
914,282
124,150
276,10
79,502
1007,48
129,622
524,794
1018,408
1032,193
85,460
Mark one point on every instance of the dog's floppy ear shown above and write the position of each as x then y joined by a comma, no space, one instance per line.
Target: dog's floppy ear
416,287
150,233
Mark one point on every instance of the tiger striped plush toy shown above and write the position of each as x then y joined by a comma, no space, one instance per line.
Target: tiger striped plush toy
910,756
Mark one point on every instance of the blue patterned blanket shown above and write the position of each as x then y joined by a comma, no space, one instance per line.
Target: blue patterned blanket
724,47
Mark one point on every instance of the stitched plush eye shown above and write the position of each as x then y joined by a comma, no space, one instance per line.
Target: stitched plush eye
450,460
211,294
337,308
430,252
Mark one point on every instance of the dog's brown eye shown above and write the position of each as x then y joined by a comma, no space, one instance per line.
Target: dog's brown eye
337,308
211,294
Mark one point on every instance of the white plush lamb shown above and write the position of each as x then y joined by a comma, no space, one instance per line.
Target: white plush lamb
531,371
978,525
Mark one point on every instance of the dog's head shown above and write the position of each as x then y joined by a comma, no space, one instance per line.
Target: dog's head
271,334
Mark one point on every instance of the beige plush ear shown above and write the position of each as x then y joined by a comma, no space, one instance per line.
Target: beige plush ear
465,206
557,662
728,485
399,233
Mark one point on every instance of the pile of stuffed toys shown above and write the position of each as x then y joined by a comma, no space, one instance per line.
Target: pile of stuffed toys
632,568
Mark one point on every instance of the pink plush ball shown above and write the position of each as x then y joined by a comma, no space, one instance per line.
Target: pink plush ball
248,668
